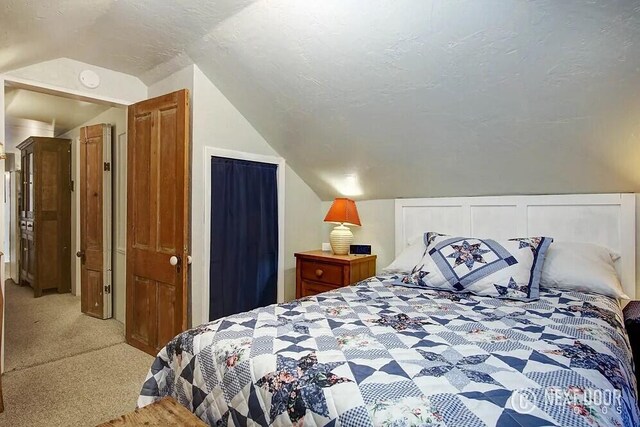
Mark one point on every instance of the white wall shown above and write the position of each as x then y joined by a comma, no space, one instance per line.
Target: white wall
217,123
117,118
17,130
62,75
377,218
303,213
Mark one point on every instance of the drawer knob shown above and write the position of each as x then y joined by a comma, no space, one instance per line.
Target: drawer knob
319,273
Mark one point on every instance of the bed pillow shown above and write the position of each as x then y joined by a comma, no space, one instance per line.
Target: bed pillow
410,256
407,259
501,269
583,267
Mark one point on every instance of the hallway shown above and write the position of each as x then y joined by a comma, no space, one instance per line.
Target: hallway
63,368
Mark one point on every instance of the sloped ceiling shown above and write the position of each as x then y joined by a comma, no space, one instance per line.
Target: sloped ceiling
130,36
395,98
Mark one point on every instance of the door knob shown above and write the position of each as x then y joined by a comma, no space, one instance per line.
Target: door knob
80,254
174,260
189,259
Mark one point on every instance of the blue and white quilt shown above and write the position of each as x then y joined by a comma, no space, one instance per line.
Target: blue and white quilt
378,354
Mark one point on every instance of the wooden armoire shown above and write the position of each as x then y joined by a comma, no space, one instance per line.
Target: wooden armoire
45,214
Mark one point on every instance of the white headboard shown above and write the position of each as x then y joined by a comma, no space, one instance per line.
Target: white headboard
604,219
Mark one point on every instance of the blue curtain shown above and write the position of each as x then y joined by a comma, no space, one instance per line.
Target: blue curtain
244,236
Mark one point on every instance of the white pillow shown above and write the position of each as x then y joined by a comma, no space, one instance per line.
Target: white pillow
581,267
408,258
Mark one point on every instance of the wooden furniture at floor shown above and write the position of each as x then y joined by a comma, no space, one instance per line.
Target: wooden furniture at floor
45,214
165,412
319,271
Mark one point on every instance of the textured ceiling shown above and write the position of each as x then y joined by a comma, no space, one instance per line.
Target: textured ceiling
397,97
63,114
440,98
131,36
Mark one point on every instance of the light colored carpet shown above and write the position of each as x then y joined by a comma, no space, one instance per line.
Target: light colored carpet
82,390
40,330
63,368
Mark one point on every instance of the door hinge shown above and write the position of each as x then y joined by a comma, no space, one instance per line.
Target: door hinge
107,289
107,166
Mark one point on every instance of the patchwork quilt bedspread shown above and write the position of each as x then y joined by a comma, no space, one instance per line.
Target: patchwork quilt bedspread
385,355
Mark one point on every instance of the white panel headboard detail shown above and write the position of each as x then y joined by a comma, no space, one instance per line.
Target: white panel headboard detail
604,219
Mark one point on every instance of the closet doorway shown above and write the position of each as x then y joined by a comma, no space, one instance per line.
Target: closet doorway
245,220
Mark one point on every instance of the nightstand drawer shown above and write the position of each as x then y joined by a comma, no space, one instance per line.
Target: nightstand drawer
318,271
314,288
322,272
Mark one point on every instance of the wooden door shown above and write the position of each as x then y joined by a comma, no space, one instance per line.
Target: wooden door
95,221
157,220
51,207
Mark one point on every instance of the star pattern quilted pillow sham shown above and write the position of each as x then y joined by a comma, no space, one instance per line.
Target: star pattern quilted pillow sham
502,269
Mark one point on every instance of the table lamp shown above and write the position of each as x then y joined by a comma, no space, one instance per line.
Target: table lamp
342,212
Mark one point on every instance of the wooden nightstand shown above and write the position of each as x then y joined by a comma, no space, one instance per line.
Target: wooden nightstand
318,271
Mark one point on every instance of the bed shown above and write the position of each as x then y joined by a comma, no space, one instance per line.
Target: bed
379,353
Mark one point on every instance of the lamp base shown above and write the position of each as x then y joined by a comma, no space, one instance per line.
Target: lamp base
341,238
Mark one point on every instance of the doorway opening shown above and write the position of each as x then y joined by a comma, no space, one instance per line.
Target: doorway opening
211,290
54,320
243,269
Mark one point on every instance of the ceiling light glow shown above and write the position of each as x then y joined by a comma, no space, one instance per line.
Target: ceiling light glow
349,185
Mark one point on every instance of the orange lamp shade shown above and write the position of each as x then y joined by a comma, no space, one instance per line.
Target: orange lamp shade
343,211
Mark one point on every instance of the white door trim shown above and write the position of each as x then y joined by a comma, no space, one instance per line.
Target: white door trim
210,152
